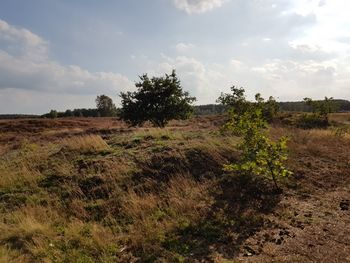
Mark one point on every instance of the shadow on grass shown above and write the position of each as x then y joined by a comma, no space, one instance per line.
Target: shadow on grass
236,215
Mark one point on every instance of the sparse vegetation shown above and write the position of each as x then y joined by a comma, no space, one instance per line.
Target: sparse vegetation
94,190
319,118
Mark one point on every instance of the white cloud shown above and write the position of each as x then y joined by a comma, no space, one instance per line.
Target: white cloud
183,47
198,6
34,102
285,79
22,42
294,80
332,24
28,67
286,48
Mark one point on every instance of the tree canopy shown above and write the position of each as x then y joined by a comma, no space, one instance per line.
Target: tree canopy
237,101
105,106
157,99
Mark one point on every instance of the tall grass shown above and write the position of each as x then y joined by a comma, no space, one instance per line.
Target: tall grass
86,143
17,175
20,167
156,216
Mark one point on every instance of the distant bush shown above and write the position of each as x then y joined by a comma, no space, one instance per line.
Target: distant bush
105,106
53,114
322,108
319,118
311,121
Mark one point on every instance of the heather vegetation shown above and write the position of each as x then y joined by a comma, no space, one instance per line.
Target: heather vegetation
95,190
252,184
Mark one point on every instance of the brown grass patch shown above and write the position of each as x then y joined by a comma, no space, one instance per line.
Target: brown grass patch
86,143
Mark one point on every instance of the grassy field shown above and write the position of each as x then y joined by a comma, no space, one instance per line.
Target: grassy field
94,190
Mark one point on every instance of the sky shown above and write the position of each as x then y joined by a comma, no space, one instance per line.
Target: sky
61,54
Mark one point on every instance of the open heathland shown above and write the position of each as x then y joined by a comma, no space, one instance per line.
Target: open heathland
95,190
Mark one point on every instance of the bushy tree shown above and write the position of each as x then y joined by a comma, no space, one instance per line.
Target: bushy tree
269,107
68,113
260,155
105,106
53,114
236,100
157,99
322,108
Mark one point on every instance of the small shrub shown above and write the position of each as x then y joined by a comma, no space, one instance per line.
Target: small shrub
236,100
260,155
311,121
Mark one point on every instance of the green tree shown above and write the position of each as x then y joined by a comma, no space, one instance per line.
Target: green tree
322,108
270,107
53,114
158,100
236,100
260,155
68,113
105,106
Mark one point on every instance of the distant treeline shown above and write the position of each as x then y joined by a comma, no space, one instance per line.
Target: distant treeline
298,106
73,113
209,109
301,106
18,116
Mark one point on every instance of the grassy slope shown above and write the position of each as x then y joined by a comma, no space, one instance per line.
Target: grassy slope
94,191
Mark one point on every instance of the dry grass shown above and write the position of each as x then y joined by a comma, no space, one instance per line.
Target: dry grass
28,231
159,195
181,203
187,197
158,133
18,175
39,234
341,117
20,166
86,143
62,131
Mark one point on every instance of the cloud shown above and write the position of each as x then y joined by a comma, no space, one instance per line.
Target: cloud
25,65
198,6
289,49
285,79
294,79
36,102
49,76
22,42
183,47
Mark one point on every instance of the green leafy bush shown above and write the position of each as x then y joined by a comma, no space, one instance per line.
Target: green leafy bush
260,155
311,121
320,116
236,100
158,100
